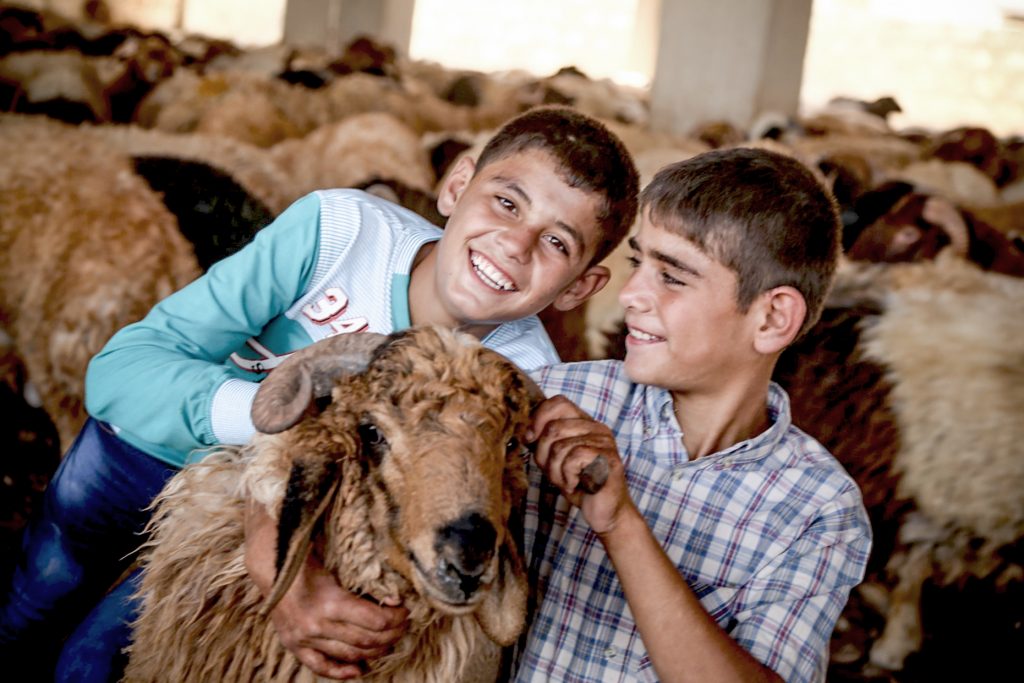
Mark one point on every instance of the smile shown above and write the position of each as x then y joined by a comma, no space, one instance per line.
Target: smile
490,275
640,335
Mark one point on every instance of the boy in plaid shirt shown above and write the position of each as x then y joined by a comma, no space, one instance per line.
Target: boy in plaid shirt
726,540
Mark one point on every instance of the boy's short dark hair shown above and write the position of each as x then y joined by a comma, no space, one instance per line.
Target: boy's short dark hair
589,156
762,214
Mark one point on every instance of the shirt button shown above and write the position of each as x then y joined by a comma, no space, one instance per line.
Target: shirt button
677,473
611,652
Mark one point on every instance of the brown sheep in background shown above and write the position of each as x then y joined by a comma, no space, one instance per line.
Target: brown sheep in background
917,226
64,85
950,343
249,166
354,150
415,469
86,247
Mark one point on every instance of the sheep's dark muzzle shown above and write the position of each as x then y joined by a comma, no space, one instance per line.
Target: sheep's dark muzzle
465,549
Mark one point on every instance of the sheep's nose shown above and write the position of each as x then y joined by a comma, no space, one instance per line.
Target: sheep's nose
464,550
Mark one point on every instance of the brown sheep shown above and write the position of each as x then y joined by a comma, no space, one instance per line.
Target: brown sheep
920,225
405,485
353,150
86,247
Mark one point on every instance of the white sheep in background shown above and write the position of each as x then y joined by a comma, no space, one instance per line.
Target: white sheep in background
65,84
405,485
950,340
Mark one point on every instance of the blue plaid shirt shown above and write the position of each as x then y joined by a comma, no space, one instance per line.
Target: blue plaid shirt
771,534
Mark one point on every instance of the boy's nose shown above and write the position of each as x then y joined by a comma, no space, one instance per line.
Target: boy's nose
517,242
633,295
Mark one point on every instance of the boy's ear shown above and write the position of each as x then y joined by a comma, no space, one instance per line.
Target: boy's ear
582,288
455,183
782,314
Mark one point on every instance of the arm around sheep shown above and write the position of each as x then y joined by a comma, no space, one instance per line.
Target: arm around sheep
329,629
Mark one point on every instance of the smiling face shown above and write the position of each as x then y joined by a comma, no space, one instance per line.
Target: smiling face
518,238
686,332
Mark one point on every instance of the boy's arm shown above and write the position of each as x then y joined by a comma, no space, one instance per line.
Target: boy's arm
328,628
156,378
683,641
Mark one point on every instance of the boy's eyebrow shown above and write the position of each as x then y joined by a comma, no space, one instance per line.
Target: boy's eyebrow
515,188
665,258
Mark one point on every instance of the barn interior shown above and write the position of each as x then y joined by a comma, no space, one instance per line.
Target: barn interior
214,116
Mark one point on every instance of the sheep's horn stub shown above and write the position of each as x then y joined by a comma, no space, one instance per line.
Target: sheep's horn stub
594,475
307,374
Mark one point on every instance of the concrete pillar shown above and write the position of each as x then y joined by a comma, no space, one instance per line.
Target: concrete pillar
332,24
727,59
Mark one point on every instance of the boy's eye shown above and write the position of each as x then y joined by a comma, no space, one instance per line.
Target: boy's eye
633,261
506,203
669,280
559,244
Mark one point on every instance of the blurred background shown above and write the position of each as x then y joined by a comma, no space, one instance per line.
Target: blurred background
947,62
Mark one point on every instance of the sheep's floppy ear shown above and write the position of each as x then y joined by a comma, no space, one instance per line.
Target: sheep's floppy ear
312,485
307,374
594,475
502,615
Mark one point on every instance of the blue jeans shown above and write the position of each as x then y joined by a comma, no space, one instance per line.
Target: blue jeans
91,522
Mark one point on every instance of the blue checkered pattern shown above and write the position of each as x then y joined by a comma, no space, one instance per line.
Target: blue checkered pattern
771,534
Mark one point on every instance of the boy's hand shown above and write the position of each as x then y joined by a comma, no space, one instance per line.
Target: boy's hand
326,627
331,630
567,441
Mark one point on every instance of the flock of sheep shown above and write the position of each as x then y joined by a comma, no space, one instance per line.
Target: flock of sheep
132,162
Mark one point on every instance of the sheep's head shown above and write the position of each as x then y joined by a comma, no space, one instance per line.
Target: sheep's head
438,422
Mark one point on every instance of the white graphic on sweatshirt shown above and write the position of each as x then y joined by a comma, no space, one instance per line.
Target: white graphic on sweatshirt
267,362
328,310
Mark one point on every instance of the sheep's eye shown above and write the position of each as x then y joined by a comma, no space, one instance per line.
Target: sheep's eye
375,446
371,436
516,447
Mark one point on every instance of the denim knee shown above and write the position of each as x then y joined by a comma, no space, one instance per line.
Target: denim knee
94,653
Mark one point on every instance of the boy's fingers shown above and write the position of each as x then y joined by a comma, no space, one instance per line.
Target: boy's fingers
554,408
569,458
576,470
364,615
323,665
560,434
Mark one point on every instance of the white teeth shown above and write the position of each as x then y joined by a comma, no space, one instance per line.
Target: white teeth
641,335
491,275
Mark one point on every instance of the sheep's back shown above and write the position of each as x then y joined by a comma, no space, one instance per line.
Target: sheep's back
86,247
950,340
